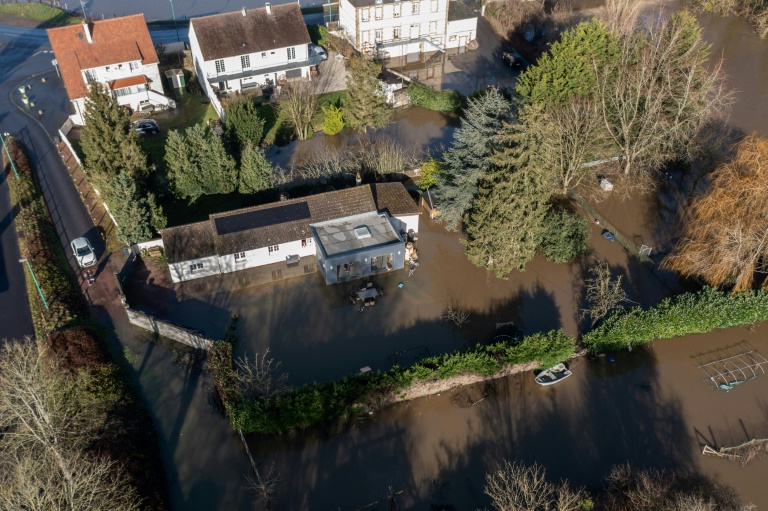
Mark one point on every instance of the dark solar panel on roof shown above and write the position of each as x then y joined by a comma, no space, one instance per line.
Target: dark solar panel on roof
262,218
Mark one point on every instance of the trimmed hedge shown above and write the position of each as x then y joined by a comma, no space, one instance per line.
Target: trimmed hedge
319,402
442,101
689,313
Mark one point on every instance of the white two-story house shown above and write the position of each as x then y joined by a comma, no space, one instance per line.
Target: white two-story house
116,52
250,48
396,28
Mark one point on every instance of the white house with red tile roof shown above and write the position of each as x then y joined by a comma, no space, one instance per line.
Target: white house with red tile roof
116,52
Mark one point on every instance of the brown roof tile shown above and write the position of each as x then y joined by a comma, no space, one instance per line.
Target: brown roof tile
187,242
115,41
394,198
232,34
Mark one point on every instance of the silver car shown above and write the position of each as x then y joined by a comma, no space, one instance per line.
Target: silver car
83,252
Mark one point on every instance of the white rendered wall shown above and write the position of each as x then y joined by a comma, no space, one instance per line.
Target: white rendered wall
263,257
181,272
461,31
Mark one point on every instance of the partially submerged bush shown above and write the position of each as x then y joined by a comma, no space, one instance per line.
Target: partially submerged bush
566,236
447,100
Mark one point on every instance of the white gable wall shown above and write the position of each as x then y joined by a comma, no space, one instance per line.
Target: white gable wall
263,257
182,271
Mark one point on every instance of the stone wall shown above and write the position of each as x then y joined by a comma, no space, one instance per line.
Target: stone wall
169,330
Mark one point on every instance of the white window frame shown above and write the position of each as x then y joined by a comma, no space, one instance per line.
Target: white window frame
377,35
378,13
196,266
434,6
396,10
433,27
220,67
134,66
291,53
245,61
239,257
396,33
273,248
366,15
415,8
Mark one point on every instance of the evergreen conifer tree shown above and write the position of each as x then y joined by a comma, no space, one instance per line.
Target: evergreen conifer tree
136,216
109,143
255,171
198,164
365,106
334,120
243,124
465,163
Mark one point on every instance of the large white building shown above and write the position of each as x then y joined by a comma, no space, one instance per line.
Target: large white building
250,48
282,233
392,28
116,52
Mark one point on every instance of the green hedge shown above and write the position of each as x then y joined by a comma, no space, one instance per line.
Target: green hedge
443,101
689,313
320,402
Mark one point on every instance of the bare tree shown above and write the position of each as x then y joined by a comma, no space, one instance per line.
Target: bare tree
386,156
567,136
604,293
725,240
46,420
516,487
456,314
659,94
621,15
265,484
260,378
300,101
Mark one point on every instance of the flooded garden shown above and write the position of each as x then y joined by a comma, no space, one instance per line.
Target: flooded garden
651,407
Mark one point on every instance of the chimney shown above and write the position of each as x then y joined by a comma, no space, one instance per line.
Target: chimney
87,30
268,8
243,11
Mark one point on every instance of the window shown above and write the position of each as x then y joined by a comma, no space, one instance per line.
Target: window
452,38
396,10
433,27
415,8
196,266
433,6
220,66
107,68
245,61
378,34
396,33
291,53
274,248
90,75
365,14
264,55
379,13
119,66
133,66
240,257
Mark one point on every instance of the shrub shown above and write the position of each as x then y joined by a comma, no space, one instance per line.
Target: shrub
566,236
689,313
447,100
319,402
430,170
334,120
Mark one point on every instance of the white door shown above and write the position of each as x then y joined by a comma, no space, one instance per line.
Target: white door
415,31
463,40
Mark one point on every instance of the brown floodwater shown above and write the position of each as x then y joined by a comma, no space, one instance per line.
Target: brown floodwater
436,449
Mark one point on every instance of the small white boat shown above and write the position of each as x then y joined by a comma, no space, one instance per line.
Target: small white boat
553,375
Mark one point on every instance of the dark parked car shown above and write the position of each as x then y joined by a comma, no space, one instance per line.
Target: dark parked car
146,127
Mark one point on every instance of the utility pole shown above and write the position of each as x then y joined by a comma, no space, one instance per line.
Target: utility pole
37,284
13,165
175,25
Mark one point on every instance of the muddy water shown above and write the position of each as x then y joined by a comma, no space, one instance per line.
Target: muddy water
433,449
420,130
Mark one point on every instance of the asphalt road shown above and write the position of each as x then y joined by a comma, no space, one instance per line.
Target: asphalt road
25,58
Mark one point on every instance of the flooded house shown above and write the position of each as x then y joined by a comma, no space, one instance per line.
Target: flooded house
350,233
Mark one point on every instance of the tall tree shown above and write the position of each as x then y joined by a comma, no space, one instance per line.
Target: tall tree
136,216
110,144
725,238
299,101
255,171
366,105
660,93
198,163
243,124
467,161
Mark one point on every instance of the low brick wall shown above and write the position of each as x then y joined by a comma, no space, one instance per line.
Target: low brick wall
169,330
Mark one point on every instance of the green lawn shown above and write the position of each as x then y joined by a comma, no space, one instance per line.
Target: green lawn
41,12
189,111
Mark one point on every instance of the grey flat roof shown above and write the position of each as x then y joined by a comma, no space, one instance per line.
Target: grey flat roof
338,236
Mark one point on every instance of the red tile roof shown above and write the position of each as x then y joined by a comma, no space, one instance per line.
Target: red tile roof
115,41
127,82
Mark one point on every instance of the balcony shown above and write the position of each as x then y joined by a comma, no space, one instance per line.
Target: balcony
213,78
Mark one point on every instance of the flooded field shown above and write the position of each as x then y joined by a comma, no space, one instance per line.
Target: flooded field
649,406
